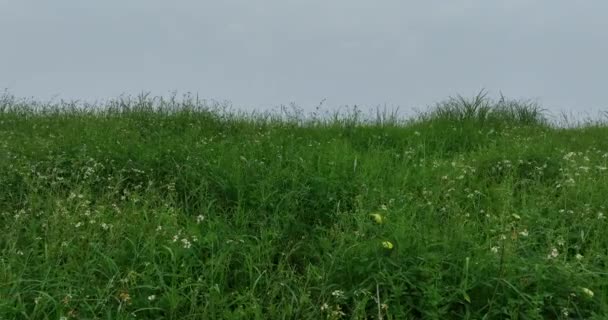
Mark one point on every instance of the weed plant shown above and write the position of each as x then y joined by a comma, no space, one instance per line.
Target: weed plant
155,208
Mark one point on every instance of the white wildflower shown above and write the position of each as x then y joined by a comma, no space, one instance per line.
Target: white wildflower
186,244
553,254
338,293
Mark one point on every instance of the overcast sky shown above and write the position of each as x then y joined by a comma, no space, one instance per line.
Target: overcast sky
260,54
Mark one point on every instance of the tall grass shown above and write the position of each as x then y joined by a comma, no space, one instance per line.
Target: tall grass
165,208
481,109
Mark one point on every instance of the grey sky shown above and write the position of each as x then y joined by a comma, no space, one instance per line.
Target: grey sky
265,53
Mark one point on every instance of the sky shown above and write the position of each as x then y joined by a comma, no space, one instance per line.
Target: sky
266,53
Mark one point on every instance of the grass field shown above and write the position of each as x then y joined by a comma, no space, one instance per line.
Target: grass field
174,209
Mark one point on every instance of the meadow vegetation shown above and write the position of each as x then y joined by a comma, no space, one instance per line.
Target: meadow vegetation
155,208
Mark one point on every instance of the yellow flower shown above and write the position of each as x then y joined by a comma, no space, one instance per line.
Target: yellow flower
387,245
378,218
587,292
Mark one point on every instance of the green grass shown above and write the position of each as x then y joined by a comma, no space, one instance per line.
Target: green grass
177,209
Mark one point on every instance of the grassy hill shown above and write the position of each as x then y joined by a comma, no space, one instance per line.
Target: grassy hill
165,209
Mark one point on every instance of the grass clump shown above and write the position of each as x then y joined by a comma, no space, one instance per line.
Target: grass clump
180,209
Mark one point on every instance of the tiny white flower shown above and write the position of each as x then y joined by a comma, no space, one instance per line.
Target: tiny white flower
200,218
338,293
554,253
579,256
186,244
524,233
494,249
151,297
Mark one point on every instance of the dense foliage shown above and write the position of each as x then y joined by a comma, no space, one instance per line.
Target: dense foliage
154,208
